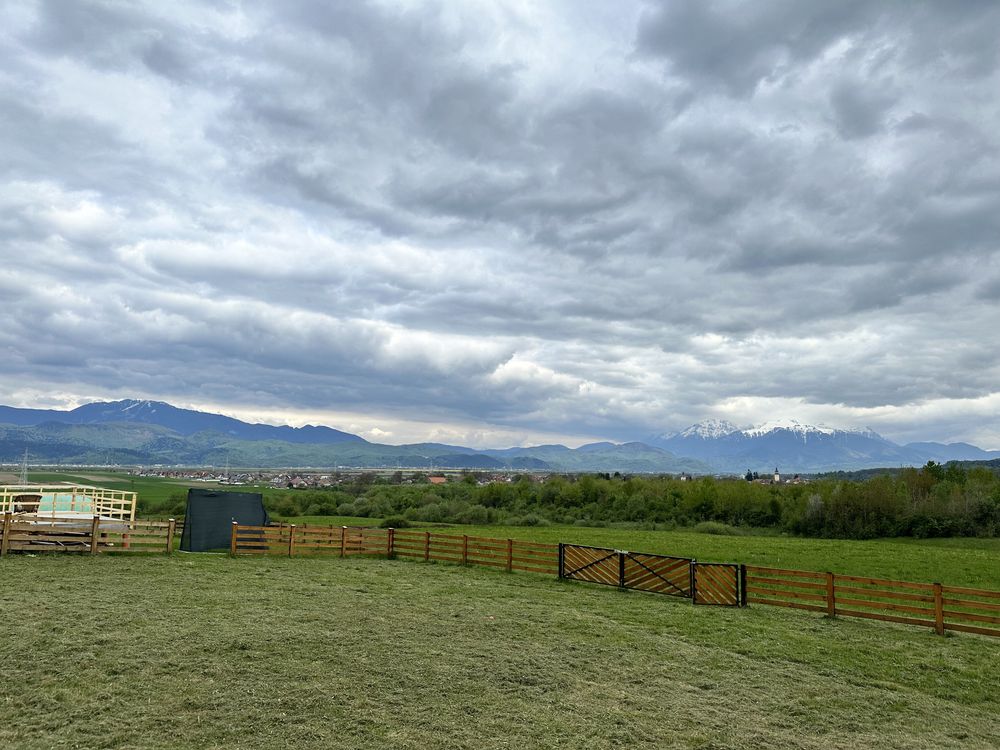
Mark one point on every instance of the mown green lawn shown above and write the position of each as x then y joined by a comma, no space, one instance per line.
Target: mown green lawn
211,652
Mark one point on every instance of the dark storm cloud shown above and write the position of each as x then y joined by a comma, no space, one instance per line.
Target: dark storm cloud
858,110
736,45
540,218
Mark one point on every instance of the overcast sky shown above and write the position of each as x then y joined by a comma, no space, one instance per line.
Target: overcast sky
503,223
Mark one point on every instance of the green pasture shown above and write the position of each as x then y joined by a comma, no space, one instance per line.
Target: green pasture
153,491
212,652
955,561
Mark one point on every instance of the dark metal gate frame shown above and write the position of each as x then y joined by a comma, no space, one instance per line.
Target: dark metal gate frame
623,556
571,574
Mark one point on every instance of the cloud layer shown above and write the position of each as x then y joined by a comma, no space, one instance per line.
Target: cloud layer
505,222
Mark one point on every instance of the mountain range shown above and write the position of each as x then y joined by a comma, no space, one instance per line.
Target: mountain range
153,432
805,448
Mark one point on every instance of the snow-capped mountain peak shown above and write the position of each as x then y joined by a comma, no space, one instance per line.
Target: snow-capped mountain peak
710,429
792,425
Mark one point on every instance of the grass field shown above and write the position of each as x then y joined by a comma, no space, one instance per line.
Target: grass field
211,652
955,561
154,490
970,562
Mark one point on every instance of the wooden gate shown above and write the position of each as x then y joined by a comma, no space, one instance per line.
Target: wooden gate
593,564
658,574
721,584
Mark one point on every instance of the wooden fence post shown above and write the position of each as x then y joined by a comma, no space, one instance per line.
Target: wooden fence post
5,538
232,539
427,546
343,541
171,526
291,539
831,596
465,549
743,585
938,610
95,534
390,543
510,557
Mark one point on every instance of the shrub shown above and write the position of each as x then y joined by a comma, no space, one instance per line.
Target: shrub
531,519
714,527
395,523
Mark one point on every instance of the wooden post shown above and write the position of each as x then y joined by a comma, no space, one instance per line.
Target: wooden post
621,569
743,585
427,546
343,541
938,610
831,596
510,556
390,543
94,534
465,549
171,526
291,539
5,538
232,539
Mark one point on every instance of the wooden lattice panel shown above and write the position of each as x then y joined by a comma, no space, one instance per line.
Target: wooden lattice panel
717,583
592,564
659,574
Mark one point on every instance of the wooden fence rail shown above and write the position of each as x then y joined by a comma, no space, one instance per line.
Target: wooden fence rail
930,605
506,554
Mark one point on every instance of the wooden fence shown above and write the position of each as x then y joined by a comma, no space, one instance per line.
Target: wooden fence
931,605
97,535
344,541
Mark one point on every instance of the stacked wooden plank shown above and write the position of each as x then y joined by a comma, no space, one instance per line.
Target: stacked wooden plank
33,534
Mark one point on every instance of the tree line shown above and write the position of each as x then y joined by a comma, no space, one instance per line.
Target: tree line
932,501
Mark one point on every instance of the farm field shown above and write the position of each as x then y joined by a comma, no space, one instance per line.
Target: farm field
208,651
153,490
956,561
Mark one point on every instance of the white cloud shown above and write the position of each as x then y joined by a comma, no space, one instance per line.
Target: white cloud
506,221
